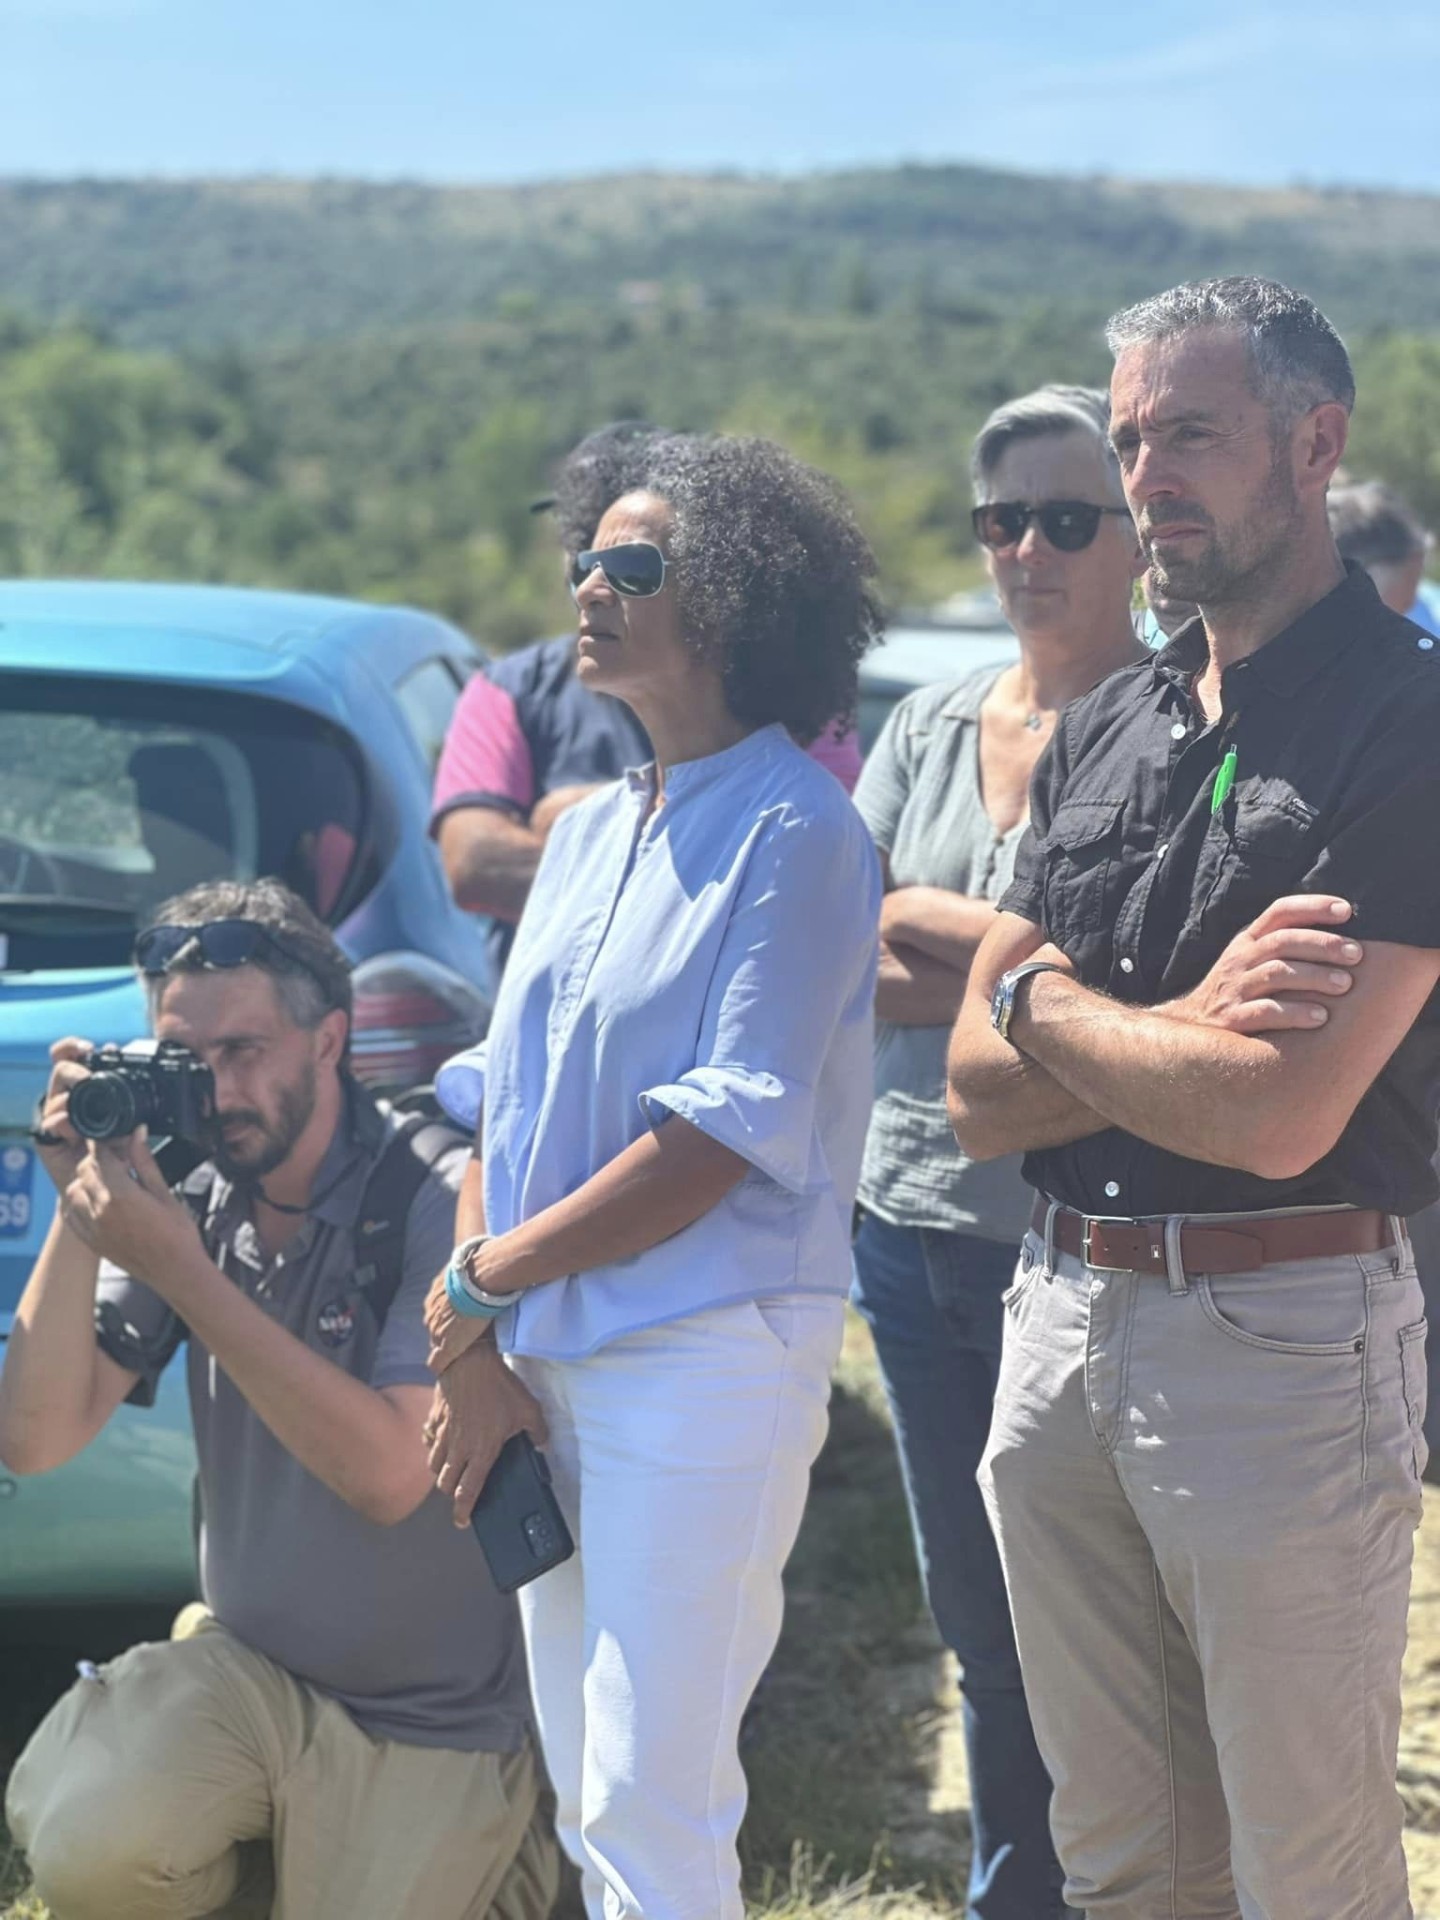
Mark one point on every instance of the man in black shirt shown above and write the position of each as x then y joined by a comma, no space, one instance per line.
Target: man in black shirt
1208,1013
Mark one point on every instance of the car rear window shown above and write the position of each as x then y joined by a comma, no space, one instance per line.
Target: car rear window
113,796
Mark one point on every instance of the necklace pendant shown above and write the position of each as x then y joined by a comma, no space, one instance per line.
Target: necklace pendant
1034,721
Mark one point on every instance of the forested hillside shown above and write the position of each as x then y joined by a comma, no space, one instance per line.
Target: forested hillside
360,389
200,262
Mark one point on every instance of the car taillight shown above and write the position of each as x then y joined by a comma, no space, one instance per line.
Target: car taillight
411,1014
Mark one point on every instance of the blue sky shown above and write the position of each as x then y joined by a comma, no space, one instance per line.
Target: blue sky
475,90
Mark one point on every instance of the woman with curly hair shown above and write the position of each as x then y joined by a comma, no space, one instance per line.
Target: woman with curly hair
613,461
669,1120
527,740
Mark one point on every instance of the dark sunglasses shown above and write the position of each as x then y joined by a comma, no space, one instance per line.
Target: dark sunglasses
1069,525
222,943
636,569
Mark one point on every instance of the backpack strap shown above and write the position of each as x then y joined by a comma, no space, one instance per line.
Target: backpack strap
410,1155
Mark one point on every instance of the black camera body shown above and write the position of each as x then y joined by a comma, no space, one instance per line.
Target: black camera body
155,1084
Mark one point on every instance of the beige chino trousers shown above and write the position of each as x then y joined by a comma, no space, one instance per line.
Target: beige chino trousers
196,1777
1205,1493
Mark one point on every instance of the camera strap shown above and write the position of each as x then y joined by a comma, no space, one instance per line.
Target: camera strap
410,1154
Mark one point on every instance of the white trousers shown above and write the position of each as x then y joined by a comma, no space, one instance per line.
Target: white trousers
681,1456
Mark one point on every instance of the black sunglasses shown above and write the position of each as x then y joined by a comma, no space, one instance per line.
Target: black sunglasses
1069,525
222,943
636,569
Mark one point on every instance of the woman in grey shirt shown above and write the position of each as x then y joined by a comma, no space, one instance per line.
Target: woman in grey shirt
944,794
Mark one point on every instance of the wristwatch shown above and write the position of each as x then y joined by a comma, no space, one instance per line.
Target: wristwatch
1002,1000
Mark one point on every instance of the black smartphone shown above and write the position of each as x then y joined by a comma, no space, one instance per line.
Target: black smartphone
517,1518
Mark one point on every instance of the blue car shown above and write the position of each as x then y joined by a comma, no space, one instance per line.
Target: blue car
152,737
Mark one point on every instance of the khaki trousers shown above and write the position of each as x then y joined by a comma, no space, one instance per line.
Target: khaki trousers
1205,1493
198,1778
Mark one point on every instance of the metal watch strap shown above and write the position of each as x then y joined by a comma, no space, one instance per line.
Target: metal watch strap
1002,1006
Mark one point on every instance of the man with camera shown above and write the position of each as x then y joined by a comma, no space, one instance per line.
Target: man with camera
299,1747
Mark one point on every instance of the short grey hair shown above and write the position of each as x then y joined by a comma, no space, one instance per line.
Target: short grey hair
1297,359
311,973
1375,525
1048,410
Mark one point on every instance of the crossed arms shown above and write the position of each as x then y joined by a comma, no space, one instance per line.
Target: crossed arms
928,939
1260,1067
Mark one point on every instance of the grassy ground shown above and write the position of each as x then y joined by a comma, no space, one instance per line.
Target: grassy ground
843,1730
857,1778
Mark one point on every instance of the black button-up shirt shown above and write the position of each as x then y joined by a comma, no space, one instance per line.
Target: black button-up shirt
1335,725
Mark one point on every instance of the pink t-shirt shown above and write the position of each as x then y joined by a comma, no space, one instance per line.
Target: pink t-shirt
525,726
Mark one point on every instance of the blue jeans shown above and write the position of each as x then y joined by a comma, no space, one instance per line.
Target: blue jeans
932,1301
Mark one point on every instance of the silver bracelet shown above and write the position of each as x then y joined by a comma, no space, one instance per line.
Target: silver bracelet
460,1262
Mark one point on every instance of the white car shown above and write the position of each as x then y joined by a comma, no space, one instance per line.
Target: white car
919,656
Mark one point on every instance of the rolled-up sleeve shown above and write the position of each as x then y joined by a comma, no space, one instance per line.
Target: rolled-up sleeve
1391,807
460,1087
486,760
136,1328
797,958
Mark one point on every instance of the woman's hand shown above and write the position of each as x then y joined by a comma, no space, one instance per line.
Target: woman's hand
478,1405
451,1333
490,1266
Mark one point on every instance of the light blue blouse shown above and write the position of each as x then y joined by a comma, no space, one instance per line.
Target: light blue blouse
715,960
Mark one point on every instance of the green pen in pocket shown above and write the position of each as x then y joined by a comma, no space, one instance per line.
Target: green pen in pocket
1224,781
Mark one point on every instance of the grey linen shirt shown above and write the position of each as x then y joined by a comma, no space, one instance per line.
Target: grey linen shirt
920,796
402,1625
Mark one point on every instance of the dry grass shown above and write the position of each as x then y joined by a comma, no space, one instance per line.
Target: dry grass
858,1790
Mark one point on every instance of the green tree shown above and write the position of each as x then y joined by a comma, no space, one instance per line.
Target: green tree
1395,434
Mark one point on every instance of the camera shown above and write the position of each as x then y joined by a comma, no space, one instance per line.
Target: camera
155,1084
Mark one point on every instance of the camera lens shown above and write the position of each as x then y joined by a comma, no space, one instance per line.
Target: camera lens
105,1106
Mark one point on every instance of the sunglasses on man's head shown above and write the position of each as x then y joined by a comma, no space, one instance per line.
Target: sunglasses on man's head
1069,525
222,943
636,569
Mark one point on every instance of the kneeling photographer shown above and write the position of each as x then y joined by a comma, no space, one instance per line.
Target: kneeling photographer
298,1746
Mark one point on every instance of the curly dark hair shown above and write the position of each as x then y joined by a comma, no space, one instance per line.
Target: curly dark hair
774,577
593,476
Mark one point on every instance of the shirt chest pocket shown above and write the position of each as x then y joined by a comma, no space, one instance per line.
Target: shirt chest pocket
1082,863
1263,850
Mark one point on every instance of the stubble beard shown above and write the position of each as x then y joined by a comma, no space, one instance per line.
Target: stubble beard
277,1139
1235,562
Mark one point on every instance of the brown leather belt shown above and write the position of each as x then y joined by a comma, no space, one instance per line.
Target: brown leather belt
1236,1246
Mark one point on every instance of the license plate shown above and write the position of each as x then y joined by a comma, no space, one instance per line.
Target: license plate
17,1178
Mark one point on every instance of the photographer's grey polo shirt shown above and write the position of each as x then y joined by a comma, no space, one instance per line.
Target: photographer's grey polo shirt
402,1625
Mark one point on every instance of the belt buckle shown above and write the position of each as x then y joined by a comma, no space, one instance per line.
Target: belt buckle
1093,1220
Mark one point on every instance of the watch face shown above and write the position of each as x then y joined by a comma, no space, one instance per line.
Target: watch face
999,1004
